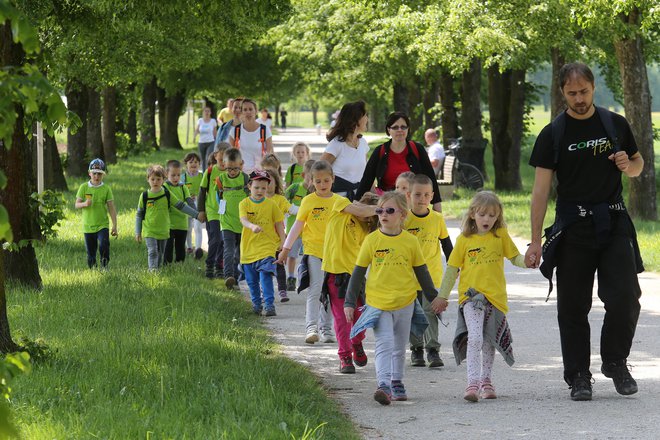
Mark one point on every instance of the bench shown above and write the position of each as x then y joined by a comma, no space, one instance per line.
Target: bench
446,184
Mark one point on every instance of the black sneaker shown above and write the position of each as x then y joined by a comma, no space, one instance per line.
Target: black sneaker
218,272
433,357
210,272
199,253
270,312
417,357
581,386
620,375
291,284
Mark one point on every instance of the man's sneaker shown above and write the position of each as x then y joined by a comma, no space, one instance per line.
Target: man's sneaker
417,357
472,393
359,356
199,253
291,284
620,375
210,272
312,337
383,395
230,282
346,365
398,391
433,357
271,312
581,386
327,337
283,296
487,390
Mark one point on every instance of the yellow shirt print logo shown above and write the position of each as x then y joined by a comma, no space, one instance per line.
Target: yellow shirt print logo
414,231
380,255
473,254
316,212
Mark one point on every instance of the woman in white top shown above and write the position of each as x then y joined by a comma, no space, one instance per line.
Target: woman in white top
253,140
347,149
207,128
265,118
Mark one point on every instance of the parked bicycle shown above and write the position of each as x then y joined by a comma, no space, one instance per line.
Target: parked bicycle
465,175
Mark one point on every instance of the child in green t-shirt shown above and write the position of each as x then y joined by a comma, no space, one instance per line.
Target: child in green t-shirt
96,201
176,244
153,215
192,179
300,153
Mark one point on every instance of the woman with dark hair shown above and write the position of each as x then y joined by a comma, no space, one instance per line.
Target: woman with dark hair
397,156
347,149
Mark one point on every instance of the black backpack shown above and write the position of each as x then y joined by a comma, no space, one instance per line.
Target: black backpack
146,198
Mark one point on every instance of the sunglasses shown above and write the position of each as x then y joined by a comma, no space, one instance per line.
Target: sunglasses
389,211
399,127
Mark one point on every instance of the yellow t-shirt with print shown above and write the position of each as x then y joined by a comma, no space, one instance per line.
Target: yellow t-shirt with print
255,247
343,237
391,283
281,202
481,260
315,211
429,230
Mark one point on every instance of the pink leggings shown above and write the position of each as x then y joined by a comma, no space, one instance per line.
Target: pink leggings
342,328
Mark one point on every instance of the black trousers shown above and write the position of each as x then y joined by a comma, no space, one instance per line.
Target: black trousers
176,245
580,256
98,241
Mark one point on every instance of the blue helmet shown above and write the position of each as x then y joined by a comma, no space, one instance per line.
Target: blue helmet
97,165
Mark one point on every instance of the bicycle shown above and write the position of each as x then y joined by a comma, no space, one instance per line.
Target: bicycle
465,175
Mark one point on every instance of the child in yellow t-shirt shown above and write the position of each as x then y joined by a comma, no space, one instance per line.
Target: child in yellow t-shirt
430,229
348,226
479,253
311,220
262,236
397,266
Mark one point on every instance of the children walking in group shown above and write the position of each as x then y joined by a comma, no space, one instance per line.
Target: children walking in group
300,153
95,199
397,266
192,178
176,244
153,216
430,229
262,236
479,254
311,221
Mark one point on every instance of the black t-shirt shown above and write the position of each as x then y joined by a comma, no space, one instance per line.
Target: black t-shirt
584,173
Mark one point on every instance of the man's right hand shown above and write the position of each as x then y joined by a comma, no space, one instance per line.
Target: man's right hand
533,256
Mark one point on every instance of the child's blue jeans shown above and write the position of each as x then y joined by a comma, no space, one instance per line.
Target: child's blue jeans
258,282
98,241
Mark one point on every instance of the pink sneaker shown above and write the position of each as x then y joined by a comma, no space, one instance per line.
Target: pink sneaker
487,390
472,393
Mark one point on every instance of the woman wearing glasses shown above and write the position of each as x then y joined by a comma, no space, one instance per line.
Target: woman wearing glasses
397,156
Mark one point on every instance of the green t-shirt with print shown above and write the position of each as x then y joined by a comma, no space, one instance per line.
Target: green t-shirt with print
294,174
294,194
156,222
233,193
193,183
211,199
178,219
95,217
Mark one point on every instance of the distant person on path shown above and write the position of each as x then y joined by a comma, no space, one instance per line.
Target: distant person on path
347,149
396,263
207,129
482,326
283,115
226,114
397,156
436,152
588,148
265,118
253,139
96,201
227,127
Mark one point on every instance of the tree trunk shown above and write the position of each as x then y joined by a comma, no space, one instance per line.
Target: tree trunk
53,171
431,98
315,113
506,101
169,110
637,101
129,126
473,147
277,116
110,124
94,132
448,117
76,95
7,344
557,104
416,112
401,98
148,115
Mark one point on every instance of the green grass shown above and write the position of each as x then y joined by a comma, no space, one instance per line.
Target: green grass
136,355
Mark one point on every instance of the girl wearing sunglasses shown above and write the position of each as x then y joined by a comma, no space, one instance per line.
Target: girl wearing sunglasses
397,265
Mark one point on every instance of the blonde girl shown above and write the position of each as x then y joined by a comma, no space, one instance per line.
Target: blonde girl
300,153
397,265
479,254
272,162
253,139
311,221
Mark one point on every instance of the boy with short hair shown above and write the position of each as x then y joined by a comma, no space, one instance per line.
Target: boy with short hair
176,244
192,178
207,204
430,229
96,201
232,189
153,216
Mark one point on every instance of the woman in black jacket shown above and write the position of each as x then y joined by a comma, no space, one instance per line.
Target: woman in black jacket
397,156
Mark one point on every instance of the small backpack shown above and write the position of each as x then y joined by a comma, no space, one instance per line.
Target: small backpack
146,198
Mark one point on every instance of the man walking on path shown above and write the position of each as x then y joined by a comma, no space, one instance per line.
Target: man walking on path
588,148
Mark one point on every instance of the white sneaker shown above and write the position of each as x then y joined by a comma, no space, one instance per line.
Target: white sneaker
312,336
327,337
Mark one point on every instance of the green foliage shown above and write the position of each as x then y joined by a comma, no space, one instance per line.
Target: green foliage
14,364
50,208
